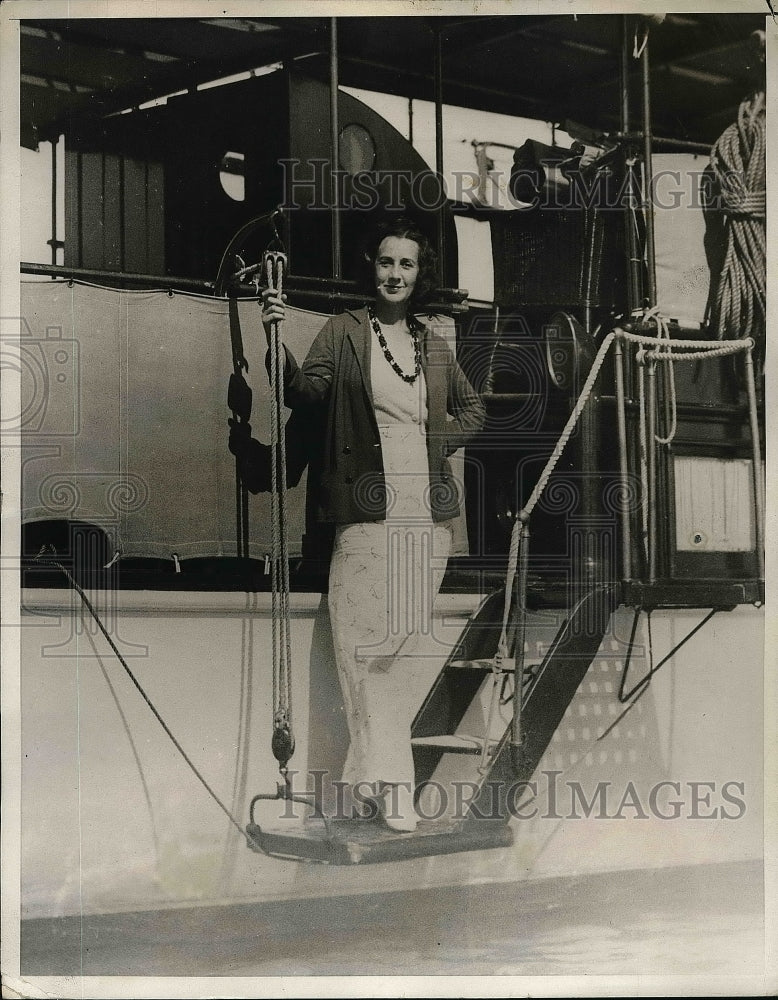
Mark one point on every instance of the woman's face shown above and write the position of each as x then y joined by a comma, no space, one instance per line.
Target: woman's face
396,269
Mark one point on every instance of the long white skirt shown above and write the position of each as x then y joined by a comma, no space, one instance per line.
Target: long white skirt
384,578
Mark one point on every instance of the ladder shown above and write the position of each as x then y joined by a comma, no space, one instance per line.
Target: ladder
442,751
549,684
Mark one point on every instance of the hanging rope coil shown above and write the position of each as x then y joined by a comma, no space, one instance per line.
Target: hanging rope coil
282,742
738,164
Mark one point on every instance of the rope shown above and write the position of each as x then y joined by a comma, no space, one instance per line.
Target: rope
524,515
668,351
693,350
738,163
283,740
663,334
569,427
714,352
690,350
145,697
703,345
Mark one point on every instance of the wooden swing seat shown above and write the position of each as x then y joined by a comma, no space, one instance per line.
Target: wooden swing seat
357,842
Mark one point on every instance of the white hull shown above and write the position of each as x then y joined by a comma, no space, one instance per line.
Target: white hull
111,824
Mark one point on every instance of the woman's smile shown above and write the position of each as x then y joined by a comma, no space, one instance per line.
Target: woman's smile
396,269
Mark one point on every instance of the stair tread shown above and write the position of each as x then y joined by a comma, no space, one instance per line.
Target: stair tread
485,663
456,742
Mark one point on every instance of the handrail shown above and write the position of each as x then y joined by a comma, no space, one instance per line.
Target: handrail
659,350
303,285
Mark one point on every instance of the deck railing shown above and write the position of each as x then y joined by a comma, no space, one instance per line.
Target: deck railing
649,352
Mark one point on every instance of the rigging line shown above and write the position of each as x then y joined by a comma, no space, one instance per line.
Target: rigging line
624,698
128,734
654,671
241,712
241,750
78,589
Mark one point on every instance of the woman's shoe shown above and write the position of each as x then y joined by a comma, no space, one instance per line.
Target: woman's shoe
396,805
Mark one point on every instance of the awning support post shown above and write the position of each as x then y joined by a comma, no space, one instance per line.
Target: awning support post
334,157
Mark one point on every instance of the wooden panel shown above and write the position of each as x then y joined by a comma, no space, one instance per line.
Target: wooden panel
155,218
72,208
134,216
361,842
112,212
92,227
714,502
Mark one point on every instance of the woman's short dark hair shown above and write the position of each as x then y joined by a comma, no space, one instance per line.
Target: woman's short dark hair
403,228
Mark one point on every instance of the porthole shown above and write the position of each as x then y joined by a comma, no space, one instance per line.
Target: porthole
232,175
356,149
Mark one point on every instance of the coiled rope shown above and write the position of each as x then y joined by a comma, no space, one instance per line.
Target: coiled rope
282,742
738,163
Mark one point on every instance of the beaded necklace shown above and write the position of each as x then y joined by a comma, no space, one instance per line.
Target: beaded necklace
413,328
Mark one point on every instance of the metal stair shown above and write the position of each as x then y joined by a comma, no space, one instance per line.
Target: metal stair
443,729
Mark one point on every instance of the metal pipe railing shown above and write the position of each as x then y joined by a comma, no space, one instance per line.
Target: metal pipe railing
447,299
624,108
54,183
626,540
517,735
756,460
648,177
651,461
659,351
334,151
94,275
439,149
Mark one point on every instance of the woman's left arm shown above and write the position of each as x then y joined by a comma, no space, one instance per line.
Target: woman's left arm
468,413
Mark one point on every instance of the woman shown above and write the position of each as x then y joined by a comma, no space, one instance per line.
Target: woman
397,405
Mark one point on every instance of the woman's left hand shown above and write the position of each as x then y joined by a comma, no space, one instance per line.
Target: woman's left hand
273,309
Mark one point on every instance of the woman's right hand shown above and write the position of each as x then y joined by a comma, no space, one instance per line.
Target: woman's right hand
273,309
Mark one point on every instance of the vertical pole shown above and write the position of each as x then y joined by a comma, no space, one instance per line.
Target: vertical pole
54,143
517,736
334,157
648,204
634,295
410,121
651,449
658,540
439,150
756,460
590,229
626,541
668,529
624,73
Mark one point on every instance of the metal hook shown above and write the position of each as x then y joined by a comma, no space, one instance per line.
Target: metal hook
277,242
